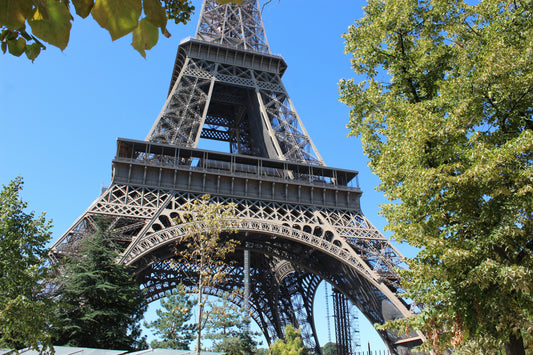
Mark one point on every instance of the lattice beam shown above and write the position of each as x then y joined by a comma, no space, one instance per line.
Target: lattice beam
300,220
231,25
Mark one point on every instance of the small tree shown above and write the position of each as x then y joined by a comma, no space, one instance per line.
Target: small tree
228,327
205,249
25,311
293,343
171,324
101,304
237,345
329,348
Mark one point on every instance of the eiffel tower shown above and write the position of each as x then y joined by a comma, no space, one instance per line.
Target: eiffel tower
299,221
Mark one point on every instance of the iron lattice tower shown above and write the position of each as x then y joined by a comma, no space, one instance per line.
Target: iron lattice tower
299,220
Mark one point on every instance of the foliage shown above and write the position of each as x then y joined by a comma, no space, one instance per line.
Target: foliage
205,248
293,343
445,116
224,319
25,311
171,324
228,327
237,344
329,349
101,304
26,24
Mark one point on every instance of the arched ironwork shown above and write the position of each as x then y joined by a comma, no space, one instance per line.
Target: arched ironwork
300,220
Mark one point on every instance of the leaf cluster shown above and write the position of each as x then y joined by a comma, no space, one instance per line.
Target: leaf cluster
292,344
26,313
445,114
26,24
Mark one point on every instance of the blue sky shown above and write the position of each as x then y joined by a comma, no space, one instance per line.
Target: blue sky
61,115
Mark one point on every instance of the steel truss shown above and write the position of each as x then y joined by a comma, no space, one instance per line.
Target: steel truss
293,247
236,26
245,105
299,219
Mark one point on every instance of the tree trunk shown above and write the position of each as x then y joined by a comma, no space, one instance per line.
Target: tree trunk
200,306
515,345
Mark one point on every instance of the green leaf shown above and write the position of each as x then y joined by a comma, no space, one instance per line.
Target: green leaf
16,46
155,13
13,13
145,36
32,51
41,6
83,7
119,17
56,29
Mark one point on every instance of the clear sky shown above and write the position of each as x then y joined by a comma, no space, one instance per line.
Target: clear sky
61,115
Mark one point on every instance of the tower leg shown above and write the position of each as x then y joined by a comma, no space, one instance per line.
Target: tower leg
246,282
342,323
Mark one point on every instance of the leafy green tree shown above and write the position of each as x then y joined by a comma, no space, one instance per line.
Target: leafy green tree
171,325
229,329
25,310
26,24
204,248
293,343
101,304
445,116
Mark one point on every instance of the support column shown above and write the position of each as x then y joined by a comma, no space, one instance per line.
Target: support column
247,282
342,323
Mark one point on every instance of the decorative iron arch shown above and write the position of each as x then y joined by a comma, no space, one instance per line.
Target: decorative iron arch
301,220
173,233
267,238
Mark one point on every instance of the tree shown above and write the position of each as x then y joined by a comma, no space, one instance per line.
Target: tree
101,304
171,324
292,344
329,348
25,310
238,344
229,328
25,24
445,116
205,249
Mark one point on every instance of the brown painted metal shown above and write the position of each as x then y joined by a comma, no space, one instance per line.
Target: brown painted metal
300,220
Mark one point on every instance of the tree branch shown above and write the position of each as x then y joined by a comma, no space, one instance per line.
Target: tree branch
404,69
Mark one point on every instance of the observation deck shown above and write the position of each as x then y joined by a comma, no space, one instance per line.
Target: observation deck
173,167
